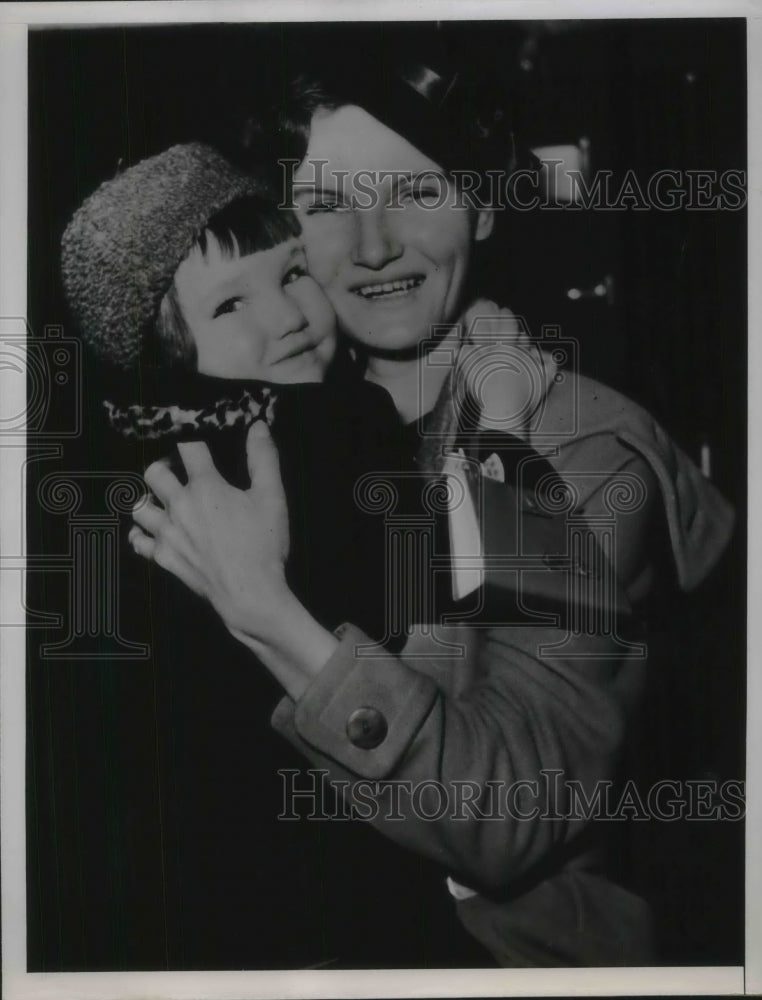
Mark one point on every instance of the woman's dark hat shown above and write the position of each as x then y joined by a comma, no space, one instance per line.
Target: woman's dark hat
455,114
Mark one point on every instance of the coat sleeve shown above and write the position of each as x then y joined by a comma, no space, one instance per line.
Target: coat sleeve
505,732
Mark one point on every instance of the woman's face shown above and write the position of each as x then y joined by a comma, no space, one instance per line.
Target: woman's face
386,234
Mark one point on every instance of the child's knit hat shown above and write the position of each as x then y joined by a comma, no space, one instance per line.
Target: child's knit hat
122,247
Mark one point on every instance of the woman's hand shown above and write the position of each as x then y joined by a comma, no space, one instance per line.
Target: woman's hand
499,371
230,547
227,545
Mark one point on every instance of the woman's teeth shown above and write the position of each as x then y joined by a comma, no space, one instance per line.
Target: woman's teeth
389,289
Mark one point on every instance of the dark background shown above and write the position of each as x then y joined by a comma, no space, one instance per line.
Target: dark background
649,95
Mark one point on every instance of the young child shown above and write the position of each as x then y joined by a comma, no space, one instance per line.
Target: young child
190,284
183,275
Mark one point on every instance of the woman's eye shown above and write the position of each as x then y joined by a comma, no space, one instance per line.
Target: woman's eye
228,306
421,195
326,205
294,274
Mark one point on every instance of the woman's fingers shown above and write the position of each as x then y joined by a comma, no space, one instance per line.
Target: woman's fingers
142,543
502,382
167,557
156,522
226,544
486,320
162,482
267,485
150,517
196,457
263,462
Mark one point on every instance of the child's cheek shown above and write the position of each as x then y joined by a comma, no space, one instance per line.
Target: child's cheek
328,241
318,309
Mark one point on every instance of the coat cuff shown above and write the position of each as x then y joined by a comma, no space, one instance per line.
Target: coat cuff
363,710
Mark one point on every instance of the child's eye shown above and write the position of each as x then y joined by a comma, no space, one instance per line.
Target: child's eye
228,306
294,274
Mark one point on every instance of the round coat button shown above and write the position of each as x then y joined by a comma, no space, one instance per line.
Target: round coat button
367,728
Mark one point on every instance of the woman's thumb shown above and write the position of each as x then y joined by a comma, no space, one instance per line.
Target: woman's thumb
262,458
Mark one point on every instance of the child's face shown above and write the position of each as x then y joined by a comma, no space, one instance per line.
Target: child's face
260,316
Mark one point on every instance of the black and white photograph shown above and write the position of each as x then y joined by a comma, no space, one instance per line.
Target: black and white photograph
375,540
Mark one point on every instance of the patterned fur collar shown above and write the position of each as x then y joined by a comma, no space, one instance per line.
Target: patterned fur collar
151,422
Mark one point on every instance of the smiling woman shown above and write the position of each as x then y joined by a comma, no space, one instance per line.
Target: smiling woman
525,697
395,266
424,592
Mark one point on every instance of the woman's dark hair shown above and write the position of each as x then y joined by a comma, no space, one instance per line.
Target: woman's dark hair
243,227
458,117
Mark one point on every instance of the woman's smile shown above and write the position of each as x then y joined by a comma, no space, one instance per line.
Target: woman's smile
396,269
390,290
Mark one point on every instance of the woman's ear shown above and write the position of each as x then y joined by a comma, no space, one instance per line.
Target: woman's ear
485,223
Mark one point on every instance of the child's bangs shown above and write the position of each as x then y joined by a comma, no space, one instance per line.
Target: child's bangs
249,225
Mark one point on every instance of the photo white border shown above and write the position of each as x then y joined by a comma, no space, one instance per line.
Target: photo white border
20,985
